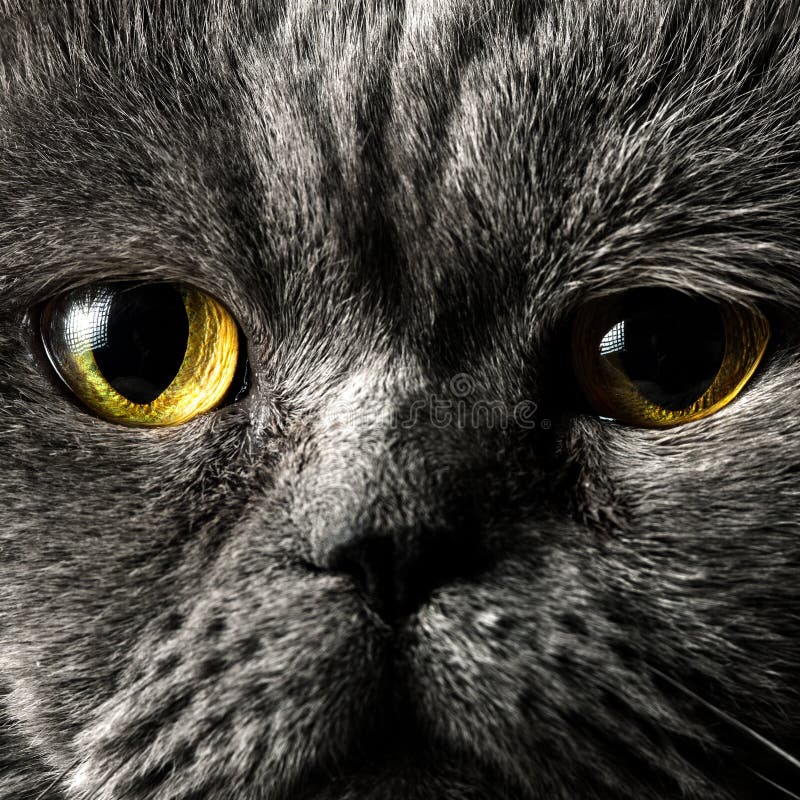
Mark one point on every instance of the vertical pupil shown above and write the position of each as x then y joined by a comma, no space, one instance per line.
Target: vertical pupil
670,346
143,341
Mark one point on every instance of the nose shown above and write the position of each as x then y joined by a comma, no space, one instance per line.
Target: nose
398,571
399,531
401,509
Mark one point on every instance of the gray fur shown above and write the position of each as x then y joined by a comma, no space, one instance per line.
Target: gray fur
388,195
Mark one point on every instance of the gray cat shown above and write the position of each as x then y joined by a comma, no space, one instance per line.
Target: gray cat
579,219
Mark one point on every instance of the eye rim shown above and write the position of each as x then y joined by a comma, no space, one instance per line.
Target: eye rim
733,314
236,391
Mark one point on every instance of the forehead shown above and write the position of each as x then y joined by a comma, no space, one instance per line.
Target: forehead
461,168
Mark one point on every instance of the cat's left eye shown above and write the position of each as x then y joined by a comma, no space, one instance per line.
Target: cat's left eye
143,354
656,358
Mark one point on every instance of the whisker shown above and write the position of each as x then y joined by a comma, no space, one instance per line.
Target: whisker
746,729
60,777
775,785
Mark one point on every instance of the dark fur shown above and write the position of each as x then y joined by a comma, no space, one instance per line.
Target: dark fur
388,195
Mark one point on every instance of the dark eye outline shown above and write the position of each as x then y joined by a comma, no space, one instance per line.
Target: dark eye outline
237,391
604,412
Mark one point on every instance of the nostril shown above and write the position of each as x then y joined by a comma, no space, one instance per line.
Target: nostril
370,562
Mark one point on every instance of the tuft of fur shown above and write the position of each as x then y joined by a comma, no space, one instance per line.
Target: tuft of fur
391,196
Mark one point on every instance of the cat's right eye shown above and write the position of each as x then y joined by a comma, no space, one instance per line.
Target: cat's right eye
143,354
658,358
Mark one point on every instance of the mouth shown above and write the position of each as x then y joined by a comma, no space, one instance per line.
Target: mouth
397,755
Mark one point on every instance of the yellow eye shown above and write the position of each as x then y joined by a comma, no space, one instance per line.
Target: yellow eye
142,354
656,358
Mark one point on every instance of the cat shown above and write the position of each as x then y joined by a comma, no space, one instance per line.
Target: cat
337,585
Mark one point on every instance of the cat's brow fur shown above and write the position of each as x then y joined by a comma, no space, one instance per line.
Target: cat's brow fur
388,195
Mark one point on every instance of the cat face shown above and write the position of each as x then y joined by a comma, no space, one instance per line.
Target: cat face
348,583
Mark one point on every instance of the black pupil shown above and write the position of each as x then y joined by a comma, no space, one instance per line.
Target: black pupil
145,337
670,346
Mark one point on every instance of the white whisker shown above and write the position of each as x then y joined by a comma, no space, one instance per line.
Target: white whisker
776,785
788,757
60,777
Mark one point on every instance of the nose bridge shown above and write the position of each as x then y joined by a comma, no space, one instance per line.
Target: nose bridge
365,474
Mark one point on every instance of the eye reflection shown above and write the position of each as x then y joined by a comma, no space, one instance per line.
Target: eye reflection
86,322
614,340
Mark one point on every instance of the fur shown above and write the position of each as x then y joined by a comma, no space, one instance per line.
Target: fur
388,196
